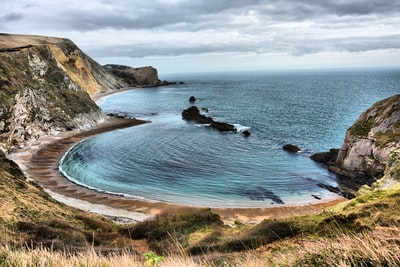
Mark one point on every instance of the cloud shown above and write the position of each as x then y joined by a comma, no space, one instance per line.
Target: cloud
170,28
10,17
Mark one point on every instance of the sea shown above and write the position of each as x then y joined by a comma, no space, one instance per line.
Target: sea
176,161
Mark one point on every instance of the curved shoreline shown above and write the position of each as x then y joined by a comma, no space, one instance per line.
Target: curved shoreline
42,165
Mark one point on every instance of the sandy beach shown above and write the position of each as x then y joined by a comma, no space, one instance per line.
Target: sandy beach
40,162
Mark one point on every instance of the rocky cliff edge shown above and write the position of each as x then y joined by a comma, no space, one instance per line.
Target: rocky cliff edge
371,149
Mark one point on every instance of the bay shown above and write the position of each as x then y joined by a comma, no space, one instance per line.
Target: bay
177,161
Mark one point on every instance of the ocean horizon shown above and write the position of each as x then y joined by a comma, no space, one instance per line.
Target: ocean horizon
176,161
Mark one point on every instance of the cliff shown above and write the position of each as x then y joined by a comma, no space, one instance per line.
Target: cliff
371,145
46,85
143,76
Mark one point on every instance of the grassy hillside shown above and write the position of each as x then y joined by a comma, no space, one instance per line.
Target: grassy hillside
362,232
30,217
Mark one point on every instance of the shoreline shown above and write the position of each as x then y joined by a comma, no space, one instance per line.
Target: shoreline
41,162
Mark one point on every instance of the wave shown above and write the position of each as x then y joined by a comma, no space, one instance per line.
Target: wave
241,128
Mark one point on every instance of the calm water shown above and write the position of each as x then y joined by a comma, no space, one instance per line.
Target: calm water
173,160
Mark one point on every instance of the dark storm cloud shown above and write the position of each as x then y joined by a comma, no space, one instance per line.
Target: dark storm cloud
361,7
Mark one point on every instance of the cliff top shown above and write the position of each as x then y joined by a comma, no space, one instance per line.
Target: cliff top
10,41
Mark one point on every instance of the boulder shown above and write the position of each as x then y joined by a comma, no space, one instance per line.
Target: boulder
246,133
291,148
326,157
192,99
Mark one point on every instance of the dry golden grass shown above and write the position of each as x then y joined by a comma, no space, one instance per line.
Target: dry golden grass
380,247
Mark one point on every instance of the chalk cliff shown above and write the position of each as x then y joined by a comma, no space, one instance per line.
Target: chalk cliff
46,85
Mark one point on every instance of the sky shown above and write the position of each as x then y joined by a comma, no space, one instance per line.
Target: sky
177,36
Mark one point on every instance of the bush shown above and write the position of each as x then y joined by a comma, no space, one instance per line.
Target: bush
183,222
95,224
165,231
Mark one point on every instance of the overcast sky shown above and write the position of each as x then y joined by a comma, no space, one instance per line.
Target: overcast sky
215,35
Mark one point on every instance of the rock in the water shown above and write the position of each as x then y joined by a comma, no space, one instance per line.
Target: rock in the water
193,113
291,148
246,133
326,157
192,99
223,127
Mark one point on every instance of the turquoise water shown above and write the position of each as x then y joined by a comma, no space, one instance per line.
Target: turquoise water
173,160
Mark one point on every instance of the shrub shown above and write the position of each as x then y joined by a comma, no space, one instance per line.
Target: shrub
165,231
95,224
183,222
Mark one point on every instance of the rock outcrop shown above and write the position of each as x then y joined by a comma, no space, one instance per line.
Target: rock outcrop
46,85
291,148
369,143
193,113
143,76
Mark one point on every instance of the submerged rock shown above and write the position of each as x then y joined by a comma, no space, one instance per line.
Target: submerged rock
261,194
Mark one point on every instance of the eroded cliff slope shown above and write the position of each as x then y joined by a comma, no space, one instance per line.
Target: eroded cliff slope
45,88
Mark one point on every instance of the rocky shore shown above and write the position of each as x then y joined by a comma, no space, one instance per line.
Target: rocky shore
368,146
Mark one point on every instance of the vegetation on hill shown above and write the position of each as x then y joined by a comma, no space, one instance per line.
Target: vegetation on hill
29,217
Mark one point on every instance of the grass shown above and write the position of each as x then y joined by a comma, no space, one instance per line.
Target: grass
362,232
164,231
380,247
